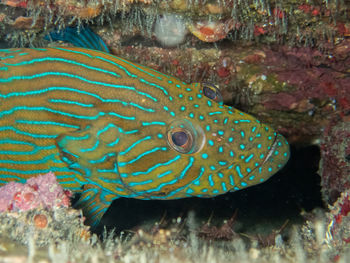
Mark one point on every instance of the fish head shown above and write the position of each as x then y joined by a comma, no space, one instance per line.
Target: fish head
202,148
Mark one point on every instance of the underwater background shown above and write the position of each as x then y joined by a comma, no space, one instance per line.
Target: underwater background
285,62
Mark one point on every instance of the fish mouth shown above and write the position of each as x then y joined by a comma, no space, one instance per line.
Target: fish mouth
269,154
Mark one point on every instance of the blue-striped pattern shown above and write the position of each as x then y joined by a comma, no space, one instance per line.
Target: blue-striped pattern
101,123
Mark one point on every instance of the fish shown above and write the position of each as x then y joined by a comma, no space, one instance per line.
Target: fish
111,128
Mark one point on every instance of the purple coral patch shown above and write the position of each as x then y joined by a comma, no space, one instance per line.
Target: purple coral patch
42,191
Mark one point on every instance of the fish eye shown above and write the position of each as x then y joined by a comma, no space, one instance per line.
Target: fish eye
183,137
180,139
212,92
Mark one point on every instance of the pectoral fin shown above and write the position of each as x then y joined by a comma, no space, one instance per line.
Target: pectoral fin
94,202
93,152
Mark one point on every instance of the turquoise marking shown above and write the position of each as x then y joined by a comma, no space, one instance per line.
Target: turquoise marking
223,185
145,123
76,138
154,167
19,108
249,158
210,178
204,156
9,141
72,103
93,148
40,161
60,74
214,113
42,136
164,174
110,181
34,151
232,182
121,164
101,160
189,191
111,144
9,51
11,177
41,91
38,171
141,183
155,85
48,123
100,58
238,170
38,60
3,58
134,144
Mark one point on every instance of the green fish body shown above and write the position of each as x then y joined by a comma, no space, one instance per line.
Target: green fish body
111,128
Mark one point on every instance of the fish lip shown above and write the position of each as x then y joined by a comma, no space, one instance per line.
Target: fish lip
267,157
269,154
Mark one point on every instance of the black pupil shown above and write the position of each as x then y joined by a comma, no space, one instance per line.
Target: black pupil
210,93
179,138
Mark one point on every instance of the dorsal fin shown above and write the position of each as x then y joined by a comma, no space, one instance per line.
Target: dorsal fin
81,36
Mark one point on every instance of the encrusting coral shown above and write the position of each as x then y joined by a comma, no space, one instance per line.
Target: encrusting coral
42,191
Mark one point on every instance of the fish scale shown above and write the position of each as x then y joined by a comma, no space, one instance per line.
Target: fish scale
111,128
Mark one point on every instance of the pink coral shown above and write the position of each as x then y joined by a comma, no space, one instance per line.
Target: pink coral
42,191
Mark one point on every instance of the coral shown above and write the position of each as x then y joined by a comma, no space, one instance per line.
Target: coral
40,209
170,30
335,166
286,21
42,191
339,214
44,226
211,31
